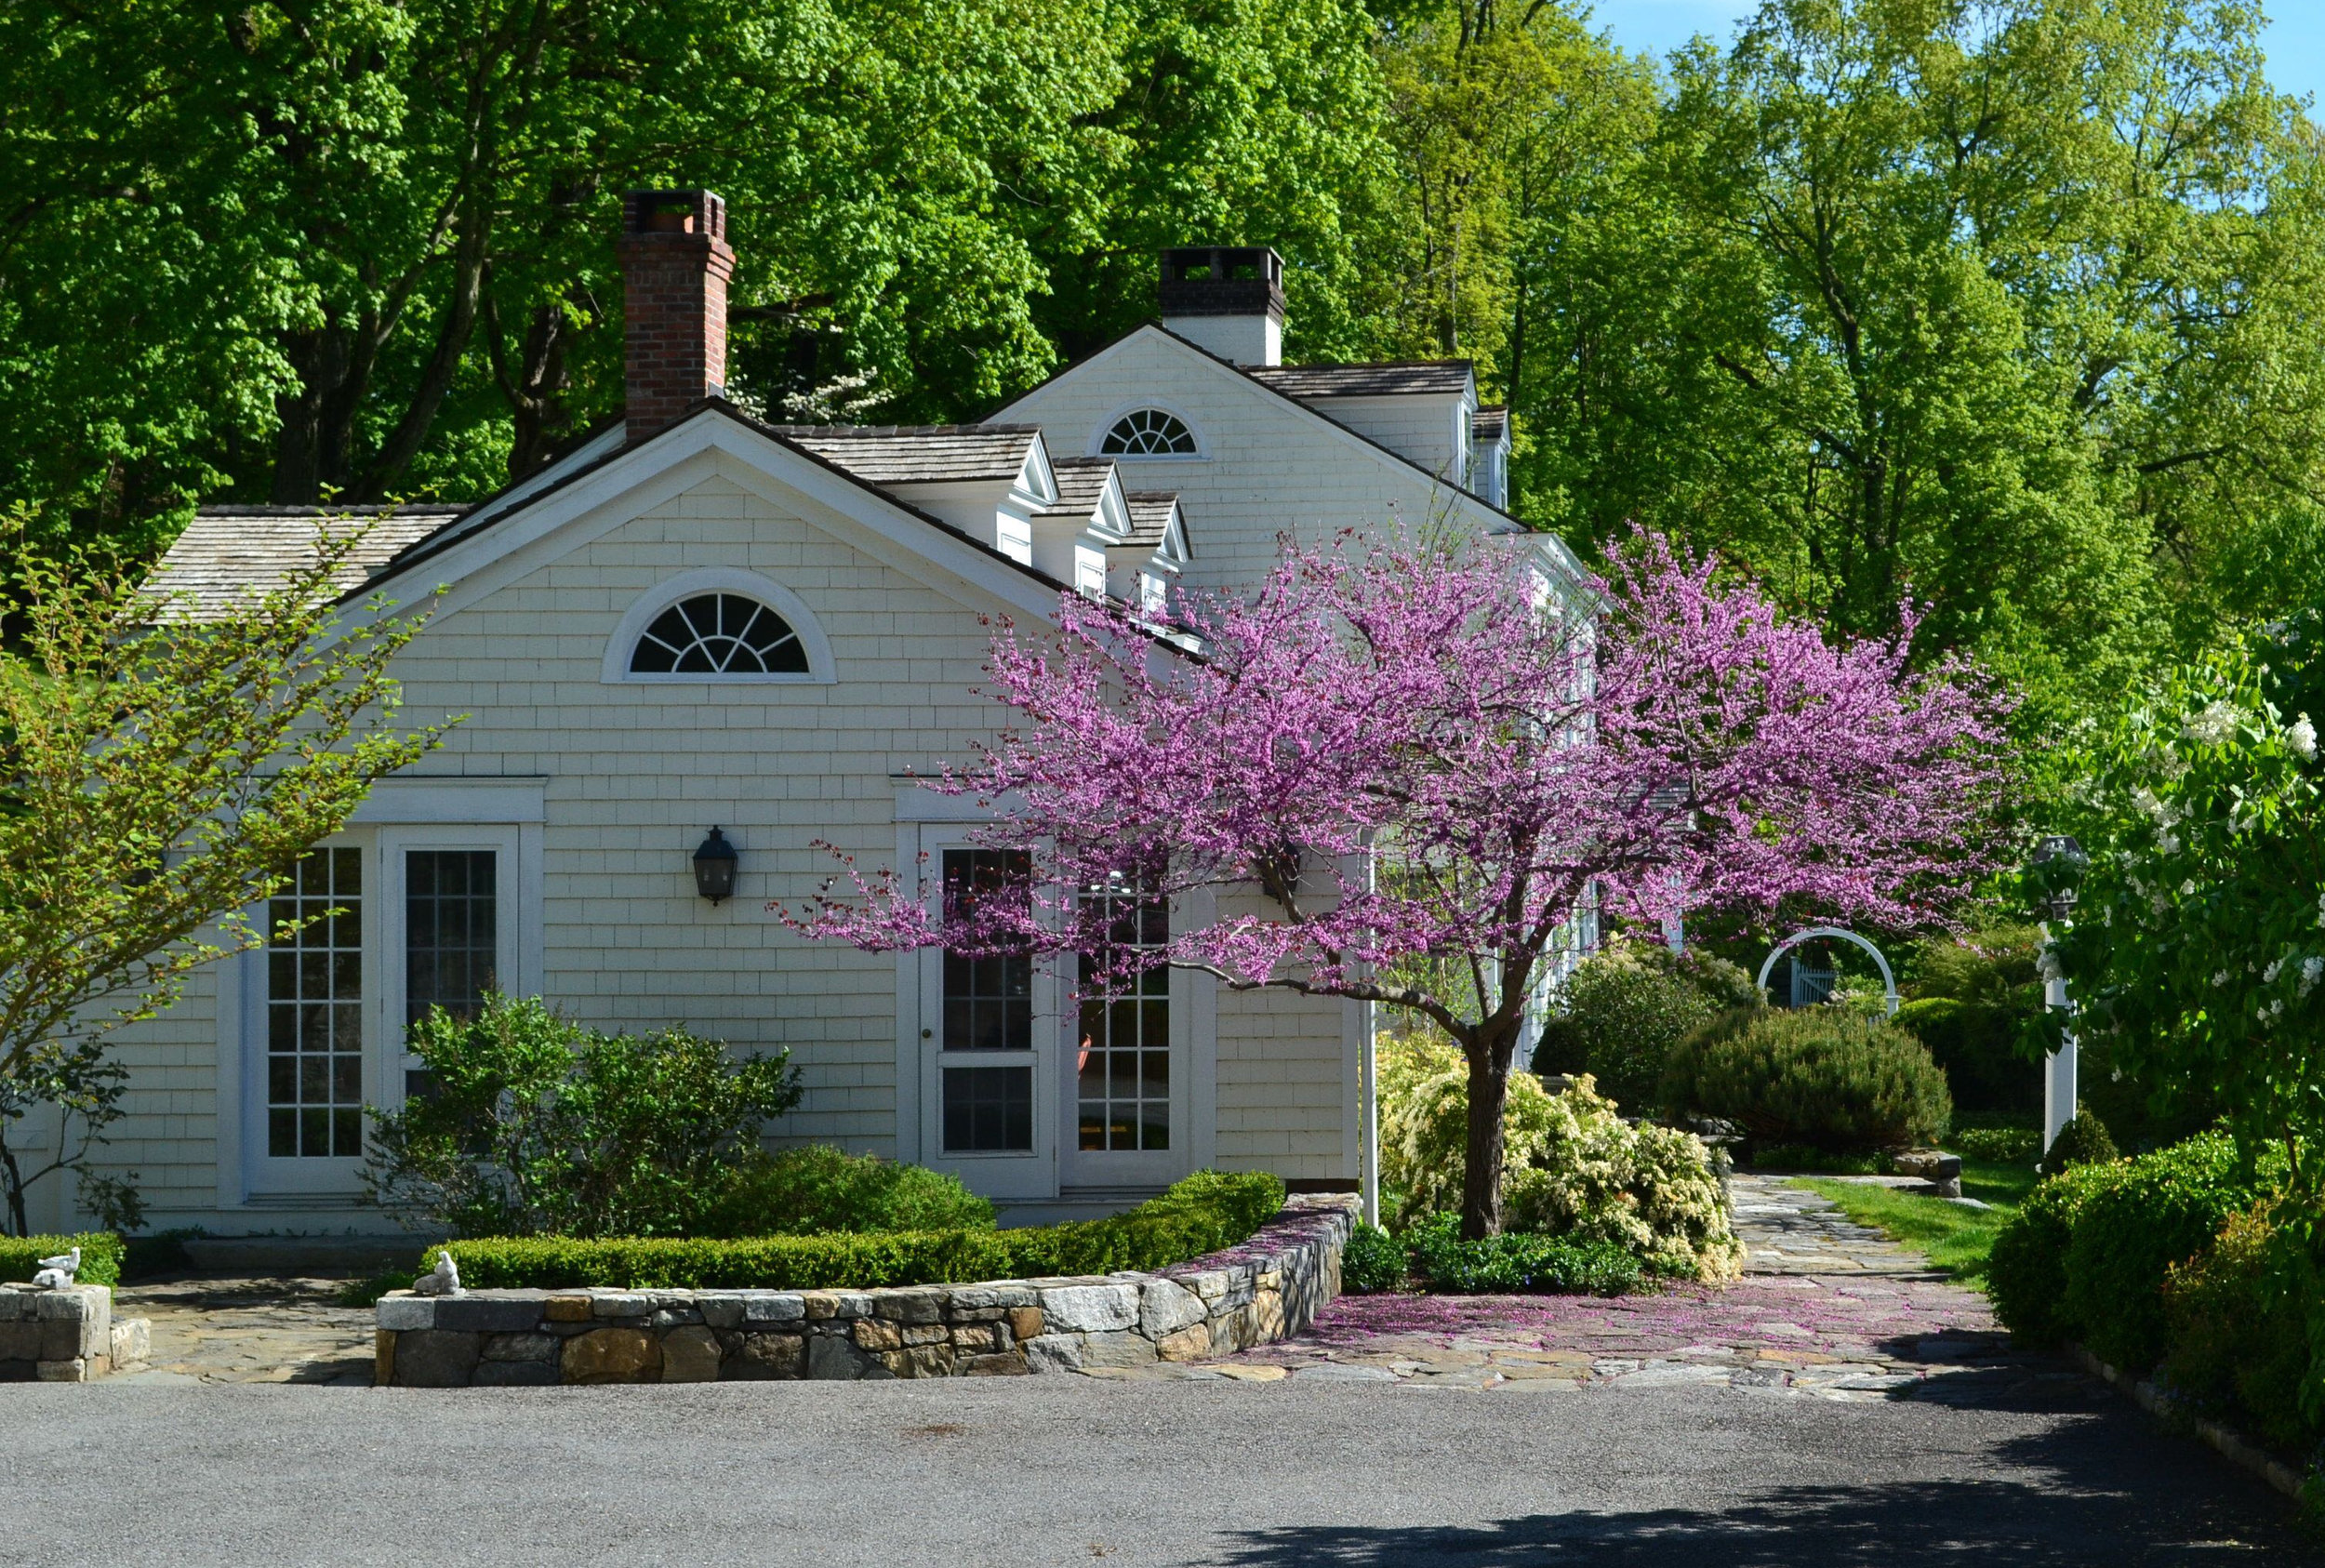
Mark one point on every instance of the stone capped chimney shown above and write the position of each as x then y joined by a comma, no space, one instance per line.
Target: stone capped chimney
1225,299
675,263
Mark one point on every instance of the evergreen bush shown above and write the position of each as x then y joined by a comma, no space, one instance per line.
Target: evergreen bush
2026,1274
1374,1261
1627,1006
102,1253
1515,1262
820,1189
2162,1209
1818,1076
2237,1317
1205,1213
2083,1142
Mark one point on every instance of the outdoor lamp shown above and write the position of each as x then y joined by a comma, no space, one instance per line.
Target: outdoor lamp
714,867
2061,849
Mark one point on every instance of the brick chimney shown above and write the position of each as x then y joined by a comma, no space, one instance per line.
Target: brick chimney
1225,299
675,262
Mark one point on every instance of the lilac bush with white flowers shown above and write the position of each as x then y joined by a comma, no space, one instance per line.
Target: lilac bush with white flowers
2197,949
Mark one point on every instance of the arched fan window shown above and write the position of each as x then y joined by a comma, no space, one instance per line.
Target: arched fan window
1148,432
718,634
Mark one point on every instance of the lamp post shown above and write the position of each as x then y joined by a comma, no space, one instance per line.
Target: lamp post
2058,862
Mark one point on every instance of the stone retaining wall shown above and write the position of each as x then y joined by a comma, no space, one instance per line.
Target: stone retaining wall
1270,1286
67,1335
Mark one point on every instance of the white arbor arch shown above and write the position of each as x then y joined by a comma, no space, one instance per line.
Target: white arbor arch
1889,981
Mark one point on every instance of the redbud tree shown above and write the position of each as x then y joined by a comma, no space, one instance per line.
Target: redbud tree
1400,767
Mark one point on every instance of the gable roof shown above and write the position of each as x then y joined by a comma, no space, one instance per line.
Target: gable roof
1150,516
1403,377
1488,426
229,552
916,454
1081,485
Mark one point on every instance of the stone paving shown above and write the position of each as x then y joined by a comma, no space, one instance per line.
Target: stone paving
1827,1308
213,1330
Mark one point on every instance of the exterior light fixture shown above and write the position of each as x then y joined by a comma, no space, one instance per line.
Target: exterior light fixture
2065,862
714,867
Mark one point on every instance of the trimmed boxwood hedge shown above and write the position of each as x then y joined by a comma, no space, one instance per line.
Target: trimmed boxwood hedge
101,1252
1208,1211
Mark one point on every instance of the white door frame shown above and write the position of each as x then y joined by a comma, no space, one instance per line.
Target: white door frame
1026,1175
517,934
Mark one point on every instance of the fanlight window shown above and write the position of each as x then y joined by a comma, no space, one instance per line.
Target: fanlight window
1148,432
718,634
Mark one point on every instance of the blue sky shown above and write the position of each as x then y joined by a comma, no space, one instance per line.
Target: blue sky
2296,41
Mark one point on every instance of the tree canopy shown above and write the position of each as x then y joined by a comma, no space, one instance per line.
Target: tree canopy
2005,307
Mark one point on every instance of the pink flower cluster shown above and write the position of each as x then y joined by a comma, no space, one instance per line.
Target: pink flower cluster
1395,752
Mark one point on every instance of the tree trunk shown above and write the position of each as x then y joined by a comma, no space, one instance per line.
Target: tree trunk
1489,1054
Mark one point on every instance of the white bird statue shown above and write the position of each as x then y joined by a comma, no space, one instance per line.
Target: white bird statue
57,1272
443,1280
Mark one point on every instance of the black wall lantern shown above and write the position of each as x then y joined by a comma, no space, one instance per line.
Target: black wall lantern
714,867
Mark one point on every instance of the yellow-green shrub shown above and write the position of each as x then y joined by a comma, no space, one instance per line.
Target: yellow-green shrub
1572,1167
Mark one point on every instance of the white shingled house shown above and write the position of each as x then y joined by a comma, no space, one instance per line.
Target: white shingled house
694,624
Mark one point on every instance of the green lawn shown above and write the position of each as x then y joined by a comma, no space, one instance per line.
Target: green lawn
1954,1237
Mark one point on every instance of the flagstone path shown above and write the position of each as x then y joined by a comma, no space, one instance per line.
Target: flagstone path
1827,1308
213,1330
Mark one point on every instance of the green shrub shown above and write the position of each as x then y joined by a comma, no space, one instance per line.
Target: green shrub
536,1124
2162,1209
2027,1272
102,1253
1972,1000
1572,1167
1816,1162
818,1189
1374,1261
2237,1317
2082,1141
1205,1213
1515,1262
1997,1146
1628,1005
1812,1075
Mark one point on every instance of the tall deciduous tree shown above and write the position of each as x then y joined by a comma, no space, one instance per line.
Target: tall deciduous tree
159,770
1407,754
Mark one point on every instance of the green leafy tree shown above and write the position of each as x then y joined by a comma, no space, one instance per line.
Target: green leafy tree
2196,952
83,1088
535,1124
158,770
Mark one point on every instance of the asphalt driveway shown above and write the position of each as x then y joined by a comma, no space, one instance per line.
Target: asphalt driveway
1068,1470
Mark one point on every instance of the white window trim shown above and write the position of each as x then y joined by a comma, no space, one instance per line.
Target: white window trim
1098,436
717,579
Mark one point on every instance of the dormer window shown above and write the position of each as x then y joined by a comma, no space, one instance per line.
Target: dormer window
718,634
1148,432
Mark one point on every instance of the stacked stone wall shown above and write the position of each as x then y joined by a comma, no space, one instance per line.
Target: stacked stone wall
1271,1286
65,1335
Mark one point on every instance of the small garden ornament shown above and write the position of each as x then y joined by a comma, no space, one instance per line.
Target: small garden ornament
56,1273
443,1280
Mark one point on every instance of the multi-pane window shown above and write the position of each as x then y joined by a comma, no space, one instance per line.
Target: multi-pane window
315,1037
989,1001
718,634
1148,432
1125,1054
988,1007
451,948
451,925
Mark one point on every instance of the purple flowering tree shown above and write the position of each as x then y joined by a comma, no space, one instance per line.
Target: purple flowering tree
1397,761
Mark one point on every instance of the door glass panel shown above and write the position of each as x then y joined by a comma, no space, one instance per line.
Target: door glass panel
989,1001
1123,1066
451,935
989,1110
314,1076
